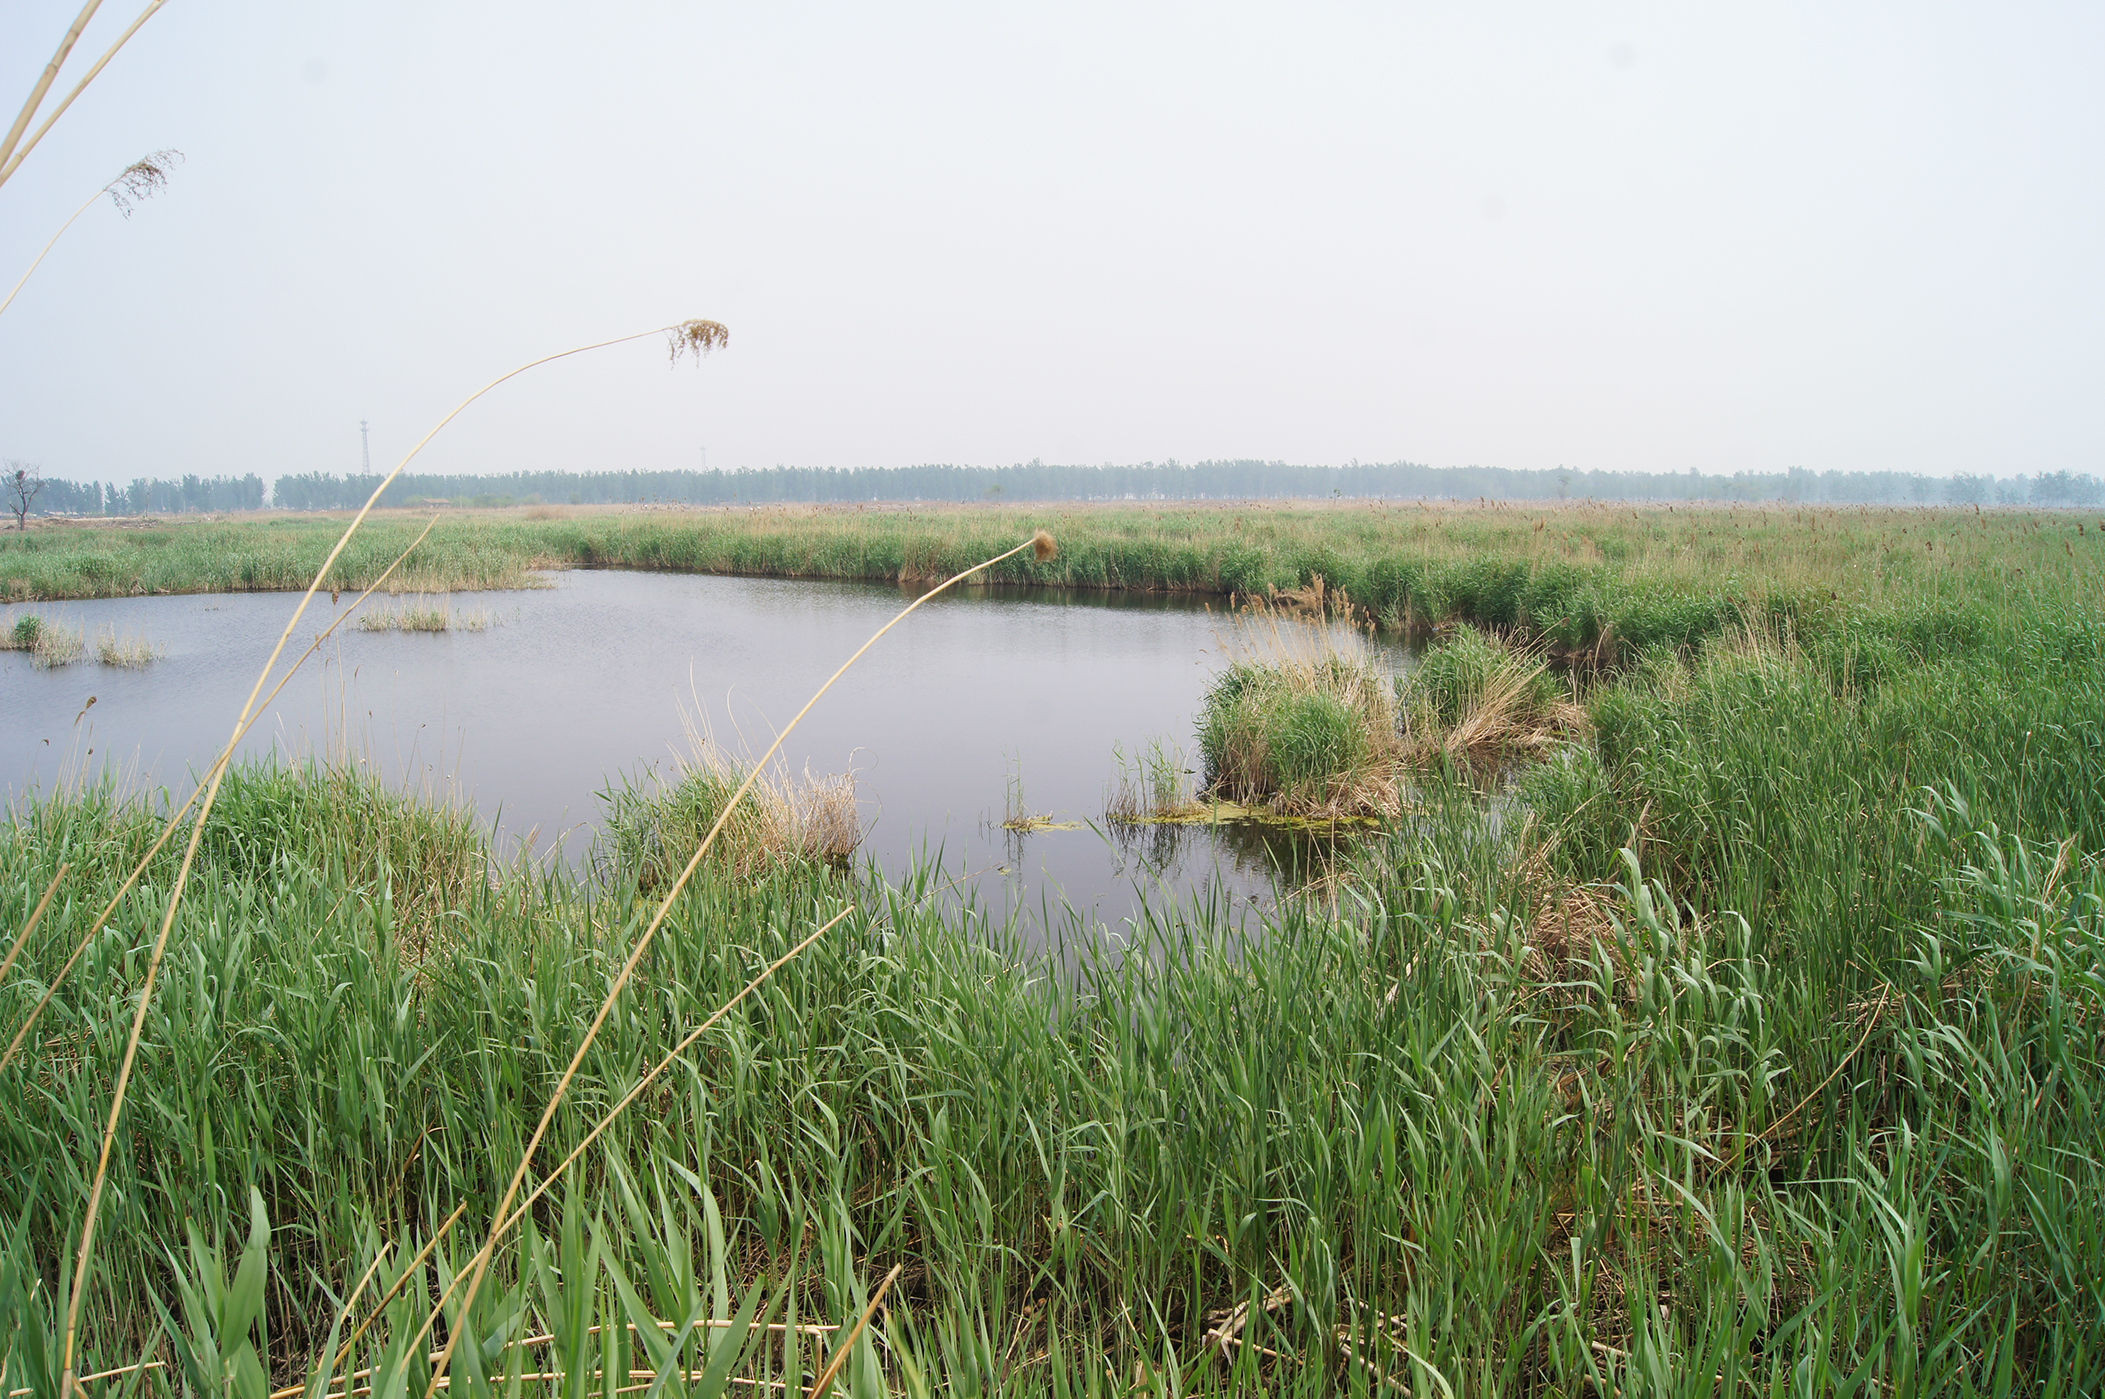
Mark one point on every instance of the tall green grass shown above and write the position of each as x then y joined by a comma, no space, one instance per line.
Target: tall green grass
1696,1157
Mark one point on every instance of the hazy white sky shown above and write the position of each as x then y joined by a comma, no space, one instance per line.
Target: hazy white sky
1620,236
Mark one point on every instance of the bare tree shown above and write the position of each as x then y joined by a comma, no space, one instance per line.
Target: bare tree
24,479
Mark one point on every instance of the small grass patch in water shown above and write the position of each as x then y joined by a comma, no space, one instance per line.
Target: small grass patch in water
786,822
1027,825
130,652
1019,818
1214,811
425,617
1304,725
49,644
1152,786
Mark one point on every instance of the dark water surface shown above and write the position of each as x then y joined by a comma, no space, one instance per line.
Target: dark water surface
573,685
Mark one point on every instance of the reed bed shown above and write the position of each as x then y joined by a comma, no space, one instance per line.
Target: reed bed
1585,580
1693,1153
1479,702
1757,1047
1302,721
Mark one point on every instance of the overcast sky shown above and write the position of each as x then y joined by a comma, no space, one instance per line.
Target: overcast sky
1654,237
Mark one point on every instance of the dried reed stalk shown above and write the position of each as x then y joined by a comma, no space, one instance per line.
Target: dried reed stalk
846,1348
46,78
11,156
1043,547
36,916
693,336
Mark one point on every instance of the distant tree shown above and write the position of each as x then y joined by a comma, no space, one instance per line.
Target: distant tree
25,482
2055,488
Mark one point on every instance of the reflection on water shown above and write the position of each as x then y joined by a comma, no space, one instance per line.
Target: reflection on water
588,678
1290,856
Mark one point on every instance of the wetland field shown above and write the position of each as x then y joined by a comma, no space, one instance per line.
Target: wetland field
1393,948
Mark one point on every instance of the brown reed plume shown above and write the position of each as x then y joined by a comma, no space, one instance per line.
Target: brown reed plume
695,338
1042,547
138,181
700,336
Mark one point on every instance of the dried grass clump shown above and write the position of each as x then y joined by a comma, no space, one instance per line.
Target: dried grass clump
59,645
1570,926
132,652
785,821
1314,599
1302,724
1479,702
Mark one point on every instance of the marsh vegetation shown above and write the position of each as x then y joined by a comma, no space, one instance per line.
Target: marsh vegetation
51,643
1756,1048
128,651
786,821
424,615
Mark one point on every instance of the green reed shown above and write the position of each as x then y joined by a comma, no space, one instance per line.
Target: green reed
1755,1046
1674,1156
1581,578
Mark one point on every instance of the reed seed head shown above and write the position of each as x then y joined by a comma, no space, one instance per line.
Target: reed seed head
1044,547
142,179
697,338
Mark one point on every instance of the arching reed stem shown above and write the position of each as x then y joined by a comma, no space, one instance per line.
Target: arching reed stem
697,336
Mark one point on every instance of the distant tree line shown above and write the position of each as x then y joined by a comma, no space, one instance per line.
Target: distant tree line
1030,481
149,496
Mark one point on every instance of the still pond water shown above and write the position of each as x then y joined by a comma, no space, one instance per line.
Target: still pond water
574,685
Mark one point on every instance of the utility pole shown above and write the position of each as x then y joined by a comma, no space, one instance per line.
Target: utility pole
365,445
